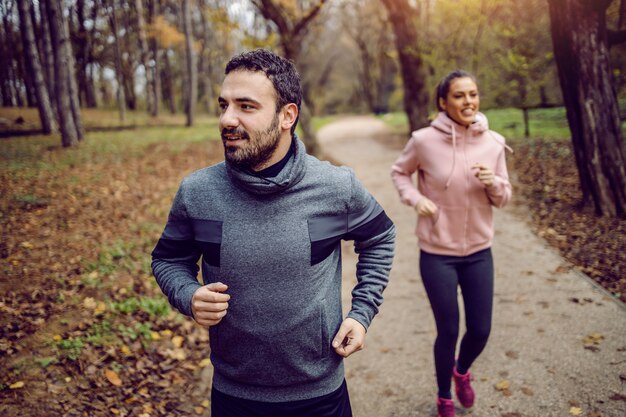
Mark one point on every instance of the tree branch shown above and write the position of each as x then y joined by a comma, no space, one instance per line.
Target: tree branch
273,13
302,24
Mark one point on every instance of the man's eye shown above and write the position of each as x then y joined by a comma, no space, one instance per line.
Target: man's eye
247,107
223,106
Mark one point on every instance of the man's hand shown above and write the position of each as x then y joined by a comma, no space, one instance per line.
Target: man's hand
350,338
209,304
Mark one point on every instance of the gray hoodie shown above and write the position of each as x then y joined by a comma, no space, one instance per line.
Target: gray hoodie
276,244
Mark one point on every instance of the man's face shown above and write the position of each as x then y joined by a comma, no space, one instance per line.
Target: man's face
249,122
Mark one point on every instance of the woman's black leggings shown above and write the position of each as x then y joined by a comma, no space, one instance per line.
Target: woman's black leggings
441,276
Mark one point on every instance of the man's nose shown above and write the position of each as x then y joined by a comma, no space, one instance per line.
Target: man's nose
229,118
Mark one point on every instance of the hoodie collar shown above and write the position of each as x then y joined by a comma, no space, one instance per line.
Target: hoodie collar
290,175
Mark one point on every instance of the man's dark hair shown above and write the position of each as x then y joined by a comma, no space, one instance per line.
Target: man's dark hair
281,72
444,85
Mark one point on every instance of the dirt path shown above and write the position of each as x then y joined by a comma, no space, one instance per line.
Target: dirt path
558,340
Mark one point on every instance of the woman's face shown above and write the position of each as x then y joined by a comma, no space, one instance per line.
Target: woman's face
462,102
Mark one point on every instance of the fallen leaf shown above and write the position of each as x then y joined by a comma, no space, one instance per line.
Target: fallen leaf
113,377
527,391
204,362
89,303
199,410
617,397
205,403
576,411
178,354
593,339
178,341
100,308
512,354
502,385
17,385
155,336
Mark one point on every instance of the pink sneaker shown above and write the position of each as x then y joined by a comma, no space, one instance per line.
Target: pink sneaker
463,388
445,407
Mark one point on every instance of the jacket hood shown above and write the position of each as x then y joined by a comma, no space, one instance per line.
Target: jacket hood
449,127
290,175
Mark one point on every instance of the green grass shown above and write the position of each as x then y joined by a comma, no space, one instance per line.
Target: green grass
44,153
548,123
398,122
545,123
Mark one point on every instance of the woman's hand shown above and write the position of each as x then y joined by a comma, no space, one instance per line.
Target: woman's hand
425,207
484,175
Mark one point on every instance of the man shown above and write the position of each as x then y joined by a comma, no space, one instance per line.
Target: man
267,223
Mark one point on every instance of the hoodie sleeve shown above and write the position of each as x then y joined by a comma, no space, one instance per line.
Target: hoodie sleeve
175,257
500,192
374,241
401,174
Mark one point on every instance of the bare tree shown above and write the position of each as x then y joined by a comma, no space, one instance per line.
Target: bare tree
191,90
145,55
47,56
46,114
370,31
119,73
153,11
68,117
581,49
403,19
292,30
84,54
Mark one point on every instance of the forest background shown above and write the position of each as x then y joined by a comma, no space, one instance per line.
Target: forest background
107,104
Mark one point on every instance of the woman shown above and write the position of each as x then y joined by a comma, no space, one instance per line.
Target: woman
461,174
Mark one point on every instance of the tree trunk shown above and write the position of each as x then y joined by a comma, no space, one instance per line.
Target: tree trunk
119,76
154,47
71,71
167,83
582,57
5,86
128,49
47,55
145,55
192,71
46,115
10,94
204,79
84,55
59,41
403,18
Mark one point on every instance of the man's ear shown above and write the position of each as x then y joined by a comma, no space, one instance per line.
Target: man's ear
289,114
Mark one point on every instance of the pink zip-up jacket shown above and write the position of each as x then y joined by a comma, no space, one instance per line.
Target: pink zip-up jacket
443,155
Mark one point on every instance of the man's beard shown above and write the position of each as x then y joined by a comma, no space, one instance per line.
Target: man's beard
256,150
